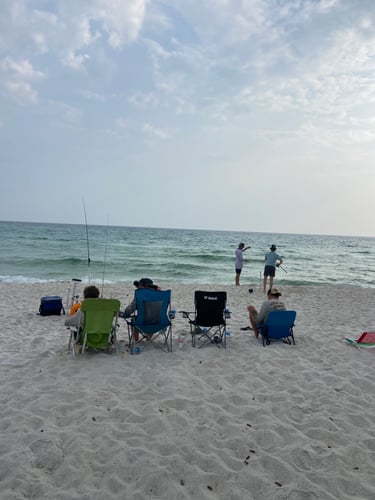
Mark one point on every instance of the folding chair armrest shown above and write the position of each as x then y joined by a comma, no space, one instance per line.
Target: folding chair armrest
186,314
130,320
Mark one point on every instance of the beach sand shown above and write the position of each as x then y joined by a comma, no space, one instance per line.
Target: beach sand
250,422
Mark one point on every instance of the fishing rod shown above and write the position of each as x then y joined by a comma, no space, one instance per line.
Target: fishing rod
279,266
87,240
73,299
105,257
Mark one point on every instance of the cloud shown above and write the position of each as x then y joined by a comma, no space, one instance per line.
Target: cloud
154,132
93,96
18,76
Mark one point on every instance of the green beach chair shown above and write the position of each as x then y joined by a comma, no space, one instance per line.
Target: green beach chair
100,324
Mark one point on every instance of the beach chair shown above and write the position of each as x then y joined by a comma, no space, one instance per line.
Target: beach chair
99,326
278,326
209,323
151,324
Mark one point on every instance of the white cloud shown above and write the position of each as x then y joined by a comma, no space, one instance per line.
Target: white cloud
155,132
21,68
122,20
18,76
92,96
65,113
74,60
22,92
143,99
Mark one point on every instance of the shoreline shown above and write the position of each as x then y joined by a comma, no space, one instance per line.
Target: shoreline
265,423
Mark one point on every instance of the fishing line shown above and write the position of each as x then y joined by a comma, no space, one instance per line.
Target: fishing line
280,266
87,240
105,256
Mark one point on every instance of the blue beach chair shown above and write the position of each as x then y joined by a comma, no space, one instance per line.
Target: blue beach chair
152,320
278,326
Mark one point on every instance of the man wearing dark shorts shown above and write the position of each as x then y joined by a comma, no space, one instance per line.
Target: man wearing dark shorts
239,261
273,260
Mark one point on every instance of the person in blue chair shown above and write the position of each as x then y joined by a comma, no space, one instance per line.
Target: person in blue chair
131,308
271,304
142,283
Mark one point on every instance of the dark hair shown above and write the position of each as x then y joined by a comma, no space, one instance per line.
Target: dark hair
91,292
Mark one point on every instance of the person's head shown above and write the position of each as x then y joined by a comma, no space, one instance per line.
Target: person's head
91,292
273,248
145,283
241,246
273,293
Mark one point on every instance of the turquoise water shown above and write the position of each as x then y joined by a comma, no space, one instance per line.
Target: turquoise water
32,252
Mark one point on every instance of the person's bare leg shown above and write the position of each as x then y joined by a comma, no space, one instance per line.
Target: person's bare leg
252,318
237,282
271,281
135,334
264,284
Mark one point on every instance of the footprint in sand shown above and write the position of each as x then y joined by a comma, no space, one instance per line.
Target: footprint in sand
48,455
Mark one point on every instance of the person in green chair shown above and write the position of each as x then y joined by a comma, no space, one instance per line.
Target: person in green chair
90,292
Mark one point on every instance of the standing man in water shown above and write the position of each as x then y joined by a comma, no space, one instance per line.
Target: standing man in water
239,261
273,260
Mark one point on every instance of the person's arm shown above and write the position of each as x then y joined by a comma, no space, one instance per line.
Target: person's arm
264,310
130,309
75,320
280,261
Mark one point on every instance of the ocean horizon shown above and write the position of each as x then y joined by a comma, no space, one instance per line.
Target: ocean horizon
36,252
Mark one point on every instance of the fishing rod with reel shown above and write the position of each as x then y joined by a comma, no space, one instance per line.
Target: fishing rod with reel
278,266
87,241
73,298
105,257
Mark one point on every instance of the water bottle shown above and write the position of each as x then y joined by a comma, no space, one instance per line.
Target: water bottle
181,340
135,350
172,314
227,332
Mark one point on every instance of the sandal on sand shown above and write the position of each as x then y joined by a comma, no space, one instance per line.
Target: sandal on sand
246,328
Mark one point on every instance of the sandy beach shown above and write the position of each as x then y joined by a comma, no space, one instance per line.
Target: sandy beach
250,422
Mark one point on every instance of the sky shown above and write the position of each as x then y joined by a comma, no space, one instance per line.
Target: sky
244,115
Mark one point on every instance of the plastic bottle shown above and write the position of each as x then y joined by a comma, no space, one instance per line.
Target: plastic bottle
135,350
181,340
227,331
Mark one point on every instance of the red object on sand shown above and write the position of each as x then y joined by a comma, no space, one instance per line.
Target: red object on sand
367,338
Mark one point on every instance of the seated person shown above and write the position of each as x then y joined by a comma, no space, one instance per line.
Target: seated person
271,304
90,292
142,283
131,308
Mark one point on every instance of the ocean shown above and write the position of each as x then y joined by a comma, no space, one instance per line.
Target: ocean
38,252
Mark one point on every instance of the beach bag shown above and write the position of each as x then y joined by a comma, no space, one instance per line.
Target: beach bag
51,306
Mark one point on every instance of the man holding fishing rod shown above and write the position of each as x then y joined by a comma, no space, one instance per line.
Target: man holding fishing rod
273,260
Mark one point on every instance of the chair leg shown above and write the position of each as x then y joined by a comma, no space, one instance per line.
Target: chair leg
170,339
193,332
84,343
